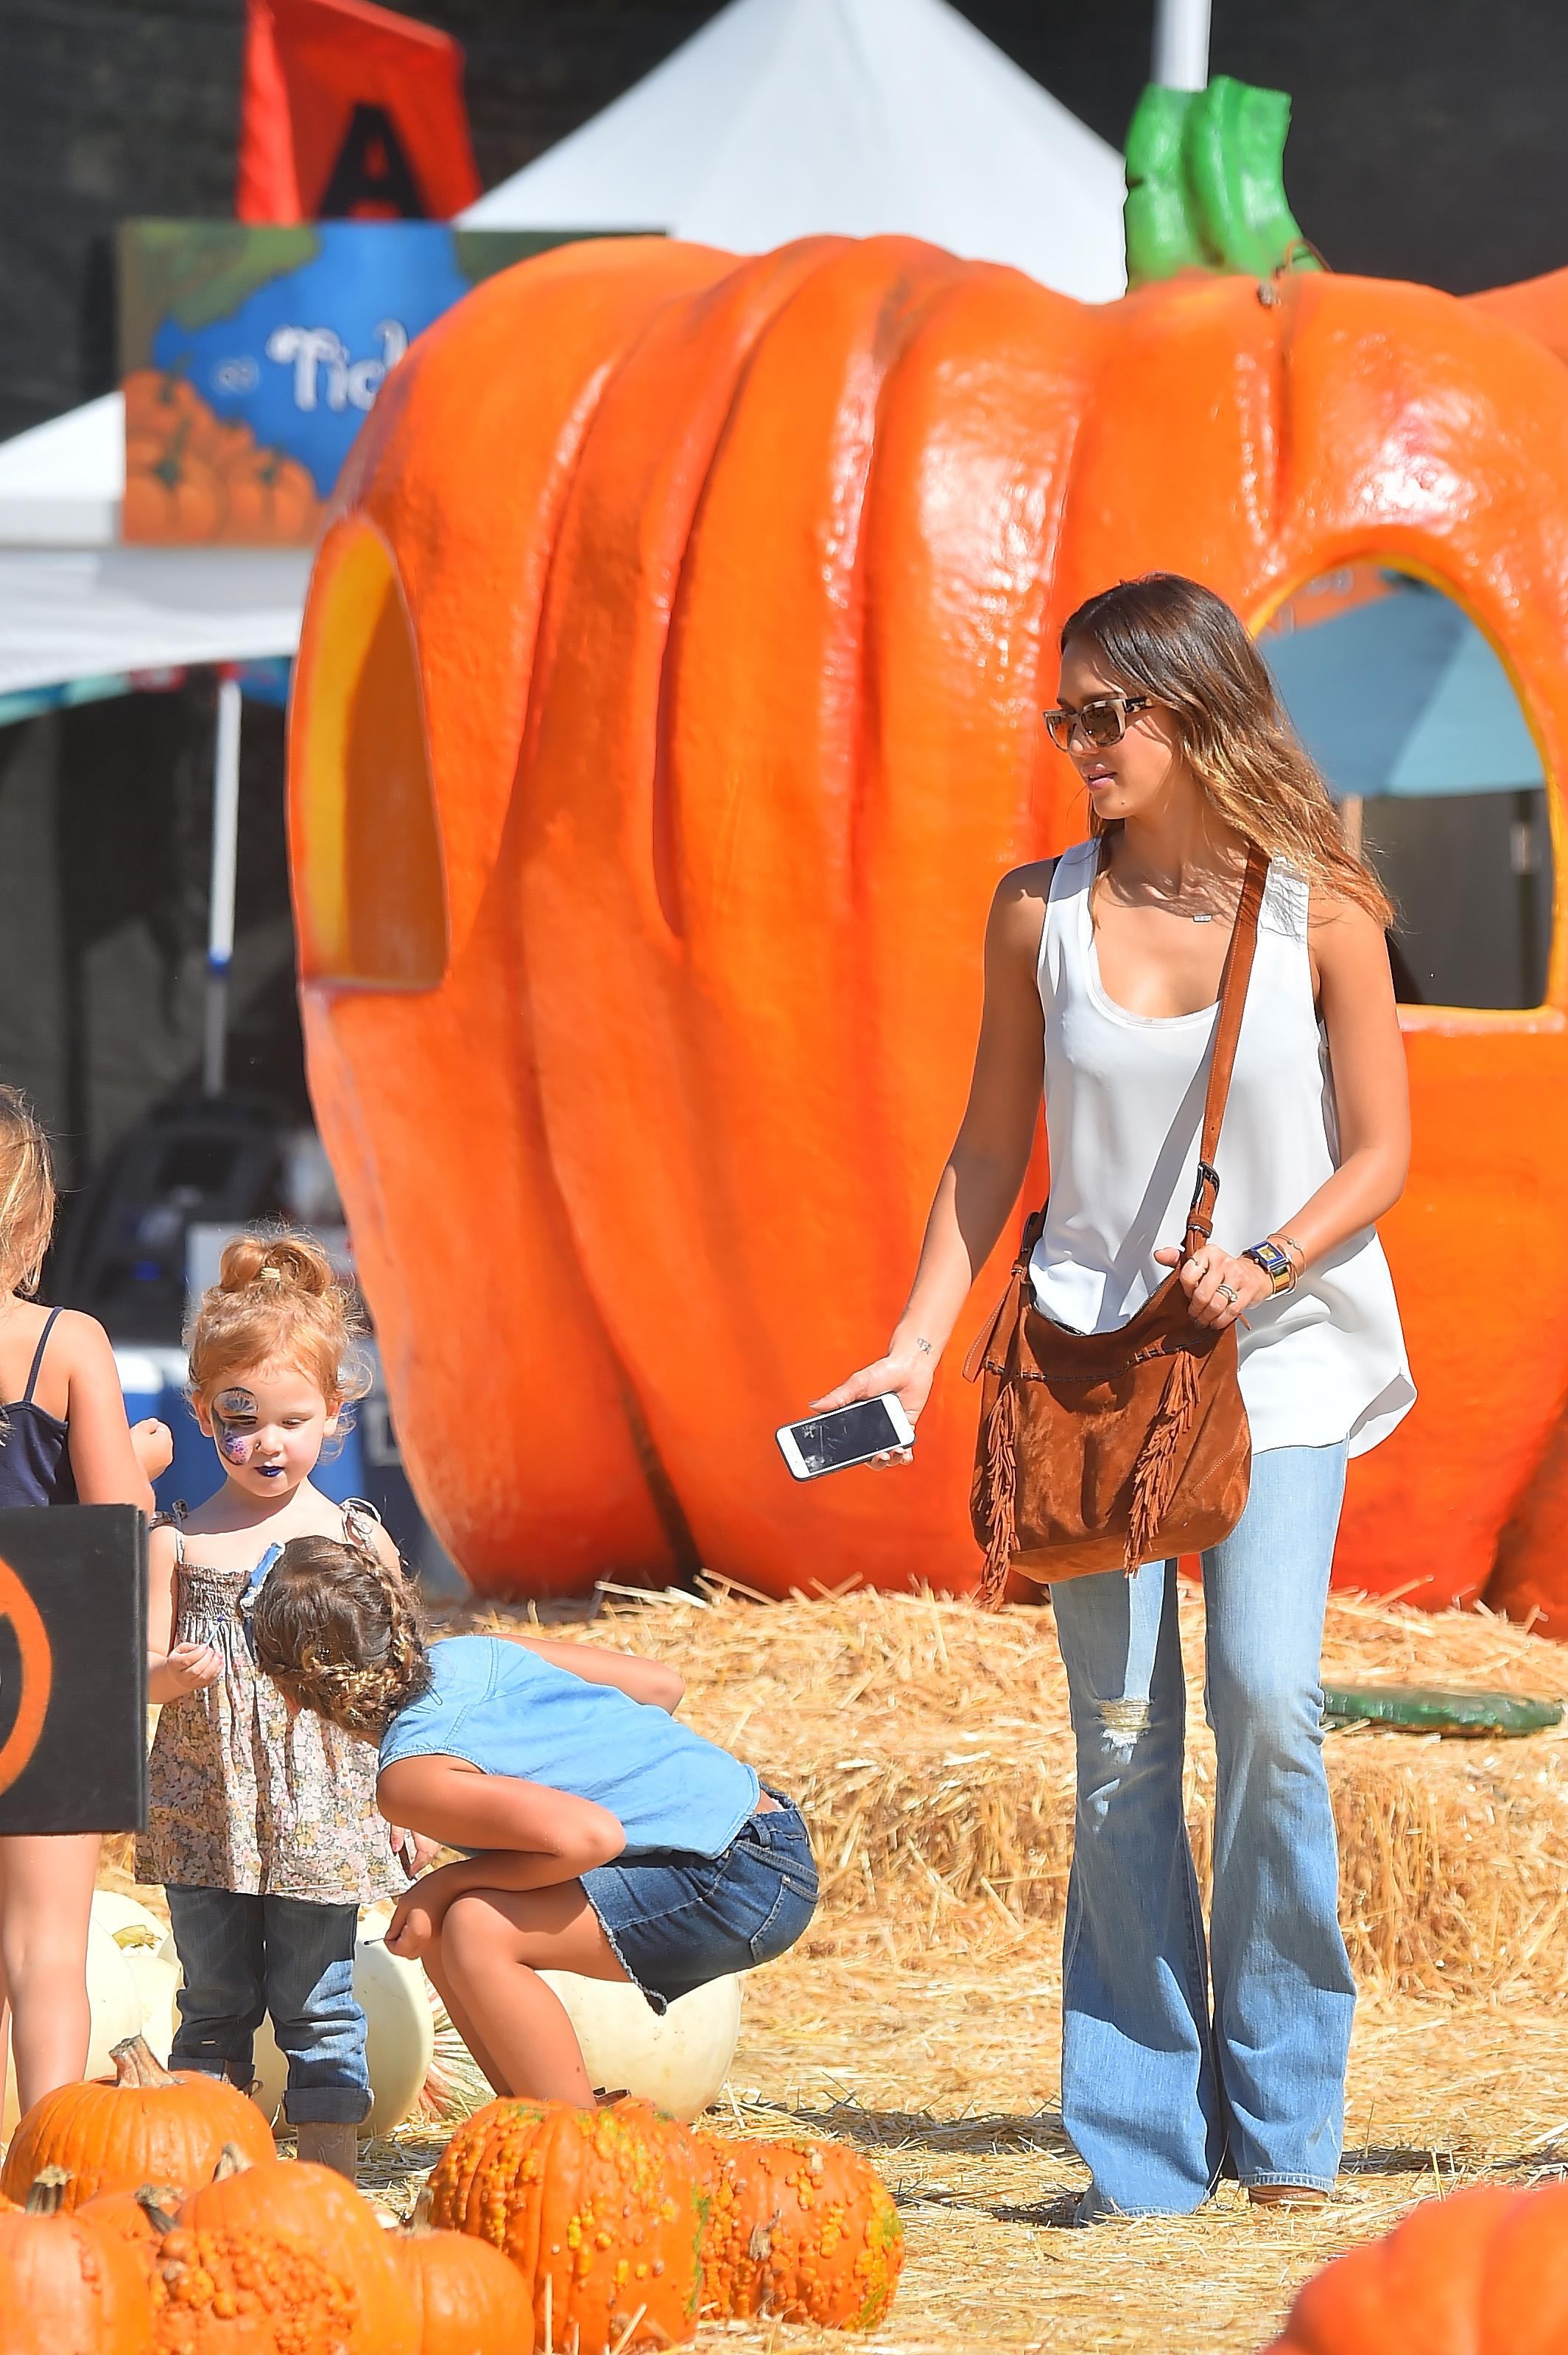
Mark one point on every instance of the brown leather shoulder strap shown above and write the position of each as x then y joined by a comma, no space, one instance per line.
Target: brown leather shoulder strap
1233,983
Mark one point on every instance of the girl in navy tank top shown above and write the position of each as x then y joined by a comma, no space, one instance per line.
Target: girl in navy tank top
63,1441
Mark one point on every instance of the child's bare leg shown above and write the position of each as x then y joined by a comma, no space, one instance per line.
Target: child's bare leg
46,1903
494,1944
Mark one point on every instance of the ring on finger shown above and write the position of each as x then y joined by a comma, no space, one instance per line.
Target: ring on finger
1226,1292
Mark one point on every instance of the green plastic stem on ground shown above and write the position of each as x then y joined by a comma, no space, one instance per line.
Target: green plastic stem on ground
1206,186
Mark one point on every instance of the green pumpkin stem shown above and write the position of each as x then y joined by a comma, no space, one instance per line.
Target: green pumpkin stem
1206,184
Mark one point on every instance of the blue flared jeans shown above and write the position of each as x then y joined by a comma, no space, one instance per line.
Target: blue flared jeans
1165,2085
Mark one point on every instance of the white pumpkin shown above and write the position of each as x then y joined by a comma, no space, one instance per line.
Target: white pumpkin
678,2061
145,1942
128,1922
401,2031
116,2012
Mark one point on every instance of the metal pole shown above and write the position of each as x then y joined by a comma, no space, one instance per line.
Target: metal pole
1181,44
221,897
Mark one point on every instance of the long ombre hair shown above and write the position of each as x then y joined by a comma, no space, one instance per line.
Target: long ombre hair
1172,639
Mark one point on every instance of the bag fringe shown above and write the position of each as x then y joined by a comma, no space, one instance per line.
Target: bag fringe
1155,1475
1001,1483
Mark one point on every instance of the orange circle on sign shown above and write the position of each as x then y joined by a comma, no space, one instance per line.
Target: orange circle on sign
37,1675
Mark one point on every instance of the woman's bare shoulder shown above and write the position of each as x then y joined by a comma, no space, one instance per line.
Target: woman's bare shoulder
1018,910
1338,922
1029,882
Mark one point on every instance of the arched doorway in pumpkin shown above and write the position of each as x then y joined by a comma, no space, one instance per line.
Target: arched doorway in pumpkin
1414,722
370,885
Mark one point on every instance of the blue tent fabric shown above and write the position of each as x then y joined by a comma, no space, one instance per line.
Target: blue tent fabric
1404,695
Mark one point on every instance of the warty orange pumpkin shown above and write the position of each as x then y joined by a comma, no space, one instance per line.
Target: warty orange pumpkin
599,2209
667,710
310,2204
800,2231
1484,2272
250,2291
147,2124
66,2289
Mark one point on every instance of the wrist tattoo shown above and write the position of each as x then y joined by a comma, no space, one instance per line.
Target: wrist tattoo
921,1343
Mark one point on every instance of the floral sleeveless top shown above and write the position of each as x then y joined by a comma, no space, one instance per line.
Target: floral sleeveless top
242,1797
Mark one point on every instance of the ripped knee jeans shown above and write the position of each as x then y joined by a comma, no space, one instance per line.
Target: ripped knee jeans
1166,2087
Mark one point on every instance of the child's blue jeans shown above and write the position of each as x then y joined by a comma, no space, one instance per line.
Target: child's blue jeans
1162,2089
245,1956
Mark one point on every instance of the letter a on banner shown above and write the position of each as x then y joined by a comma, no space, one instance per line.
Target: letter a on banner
350,111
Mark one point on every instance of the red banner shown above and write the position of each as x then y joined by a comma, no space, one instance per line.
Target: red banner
350,112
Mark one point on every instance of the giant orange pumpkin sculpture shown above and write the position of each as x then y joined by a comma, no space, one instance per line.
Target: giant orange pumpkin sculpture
667,710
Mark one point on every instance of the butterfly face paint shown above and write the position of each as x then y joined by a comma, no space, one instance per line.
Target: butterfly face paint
234,1413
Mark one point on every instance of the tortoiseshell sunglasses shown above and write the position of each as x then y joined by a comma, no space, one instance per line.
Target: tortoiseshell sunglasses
1104,719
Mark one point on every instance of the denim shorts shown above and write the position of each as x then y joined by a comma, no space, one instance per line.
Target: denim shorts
674,1921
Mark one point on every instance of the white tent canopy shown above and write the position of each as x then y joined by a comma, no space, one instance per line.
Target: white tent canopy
75,605
787,118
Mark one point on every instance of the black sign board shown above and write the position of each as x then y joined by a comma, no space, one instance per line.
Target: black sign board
73,1669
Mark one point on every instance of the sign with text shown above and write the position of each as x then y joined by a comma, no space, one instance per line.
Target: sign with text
73,1670
249,358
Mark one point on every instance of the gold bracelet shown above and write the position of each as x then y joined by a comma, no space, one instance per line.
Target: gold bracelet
1289,1244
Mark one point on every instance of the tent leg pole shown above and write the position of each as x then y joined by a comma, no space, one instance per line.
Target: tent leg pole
1180,59
220,897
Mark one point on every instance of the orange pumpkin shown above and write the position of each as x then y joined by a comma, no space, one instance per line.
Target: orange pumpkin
801,2231
316,2206
666,712
466,2299
66,2289
597,2209
173,494
271,499
147,2124
1485,2270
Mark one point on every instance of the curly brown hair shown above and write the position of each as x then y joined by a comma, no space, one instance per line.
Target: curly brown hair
342,1633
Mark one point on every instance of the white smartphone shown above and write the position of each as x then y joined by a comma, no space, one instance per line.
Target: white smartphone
847,1436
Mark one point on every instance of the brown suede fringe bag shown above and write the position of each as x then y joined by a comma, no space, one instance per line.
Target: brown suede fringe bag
1102,1451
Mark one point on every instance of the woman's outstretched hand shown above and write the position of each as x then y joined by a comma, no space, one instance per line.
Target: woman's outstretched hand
906,1376
1203,1277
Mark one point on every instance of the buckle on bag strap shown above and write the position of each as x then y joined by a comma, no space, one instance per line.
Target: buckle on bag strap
1200,1217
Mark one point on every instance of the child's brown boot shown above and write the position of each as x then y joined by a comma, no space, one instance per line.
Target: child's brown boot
330,2145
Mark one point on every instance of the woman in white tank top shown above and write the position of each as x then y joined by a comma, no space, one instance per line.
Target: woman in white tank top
1187,2057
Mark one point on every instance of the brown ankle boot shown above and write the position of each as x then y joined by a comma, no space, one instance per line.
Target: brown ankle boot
329,2145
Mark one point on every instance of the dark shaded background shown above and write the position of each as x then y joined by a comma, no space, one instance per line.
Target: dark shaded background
1428,138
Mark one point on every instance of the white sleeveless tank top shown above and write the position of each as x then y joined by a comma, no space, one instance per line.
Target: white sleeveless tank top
1124,1107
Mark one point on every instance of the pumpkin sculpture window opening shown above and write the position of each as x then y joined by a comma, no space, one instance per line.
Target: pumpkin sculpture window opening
1414,720
371,876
